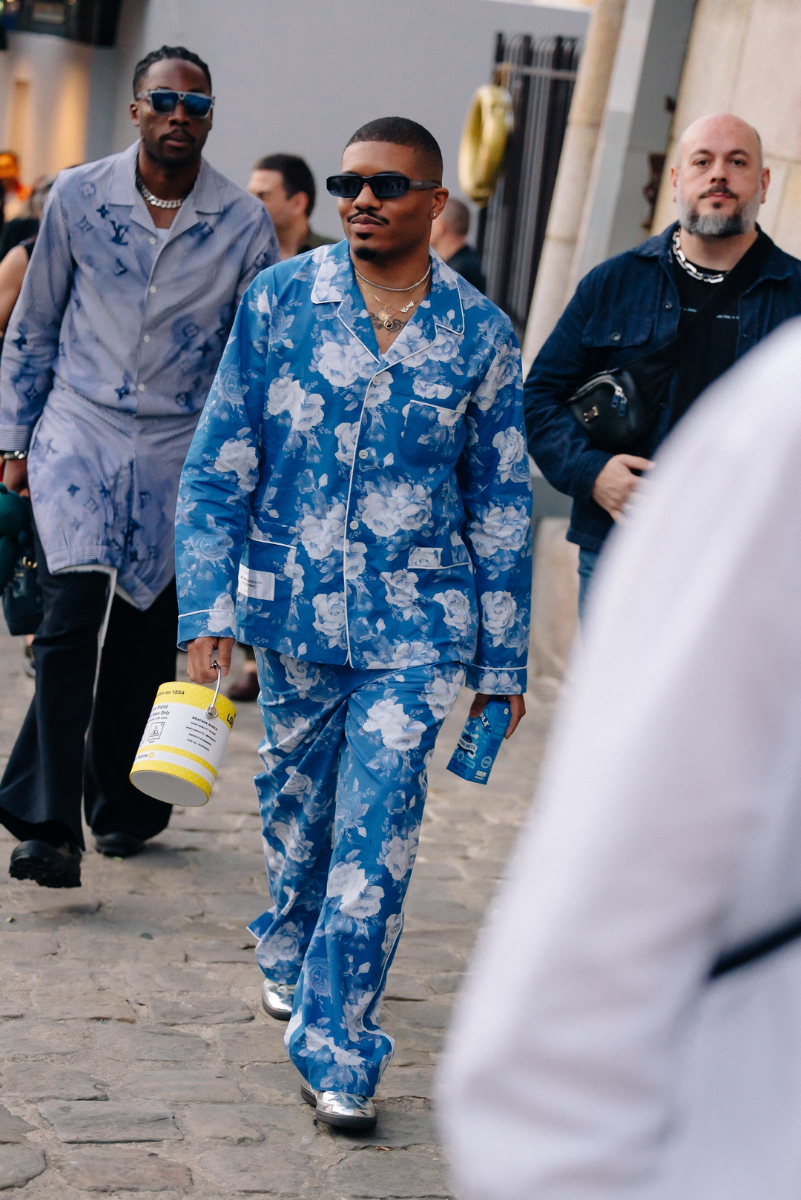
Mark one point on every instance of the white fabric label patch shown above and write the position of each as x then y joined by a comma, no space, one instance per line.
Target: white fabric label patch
256,585
425,558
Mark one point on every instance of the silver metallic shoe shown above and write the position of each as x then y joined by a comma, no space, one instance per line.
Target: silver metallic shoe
277,999
346,1110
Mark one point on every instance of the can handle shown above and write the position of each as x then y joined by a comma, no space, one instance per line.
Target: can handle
211,711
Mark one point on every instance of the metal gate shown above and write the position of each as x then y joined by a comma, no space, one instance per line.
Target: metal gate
540,75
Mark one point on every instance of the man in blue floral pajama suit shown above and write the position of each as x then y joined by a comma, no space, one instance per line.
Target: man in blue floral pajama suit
355,505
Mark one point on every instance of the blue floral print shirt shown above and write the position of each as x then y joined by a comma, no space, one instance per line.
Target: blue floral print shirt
338,505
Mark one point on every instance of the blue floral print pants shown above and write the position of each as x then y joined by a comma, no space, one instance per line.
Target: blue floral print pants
341,797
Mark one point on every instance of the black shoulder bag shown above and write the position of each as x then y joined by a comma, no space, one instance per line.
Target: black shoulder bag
618,409
22,596
759,947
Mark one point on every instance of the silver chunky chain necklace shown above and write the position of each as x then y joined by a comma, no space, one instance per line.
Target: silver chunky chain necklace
154,200
691,268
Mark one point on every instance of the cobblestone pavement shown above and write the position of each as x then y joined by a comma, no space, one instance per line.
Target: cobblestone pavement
134,1055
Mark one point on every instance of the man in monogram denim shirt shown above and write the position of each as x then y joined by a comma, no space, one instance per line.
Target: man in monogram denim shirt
126,307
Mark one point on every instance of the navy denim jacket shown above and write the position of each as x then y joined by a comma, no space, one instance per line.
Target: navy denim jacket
622,309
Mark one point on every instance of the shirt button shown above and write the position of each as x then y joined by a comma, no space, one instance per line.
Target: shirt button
141,387
668,305
615,336
152,288
362,454
153,241
354,524
146,338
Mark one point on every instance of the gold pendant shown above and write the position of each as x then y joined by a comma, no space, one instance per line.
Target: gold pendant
383,315
388,323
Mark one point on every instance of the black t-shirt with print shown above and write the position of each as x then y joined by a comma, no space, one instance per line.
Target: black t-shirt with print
714,351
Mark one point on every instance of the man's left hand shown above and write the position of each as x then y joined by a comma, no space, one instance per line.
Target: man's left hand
516,703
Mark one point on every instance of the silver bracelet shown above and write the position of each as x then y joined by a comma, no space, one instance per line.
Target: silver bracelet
10,455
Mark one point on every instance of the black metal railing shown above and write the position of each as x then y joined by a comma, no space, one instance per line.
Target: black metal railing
540,75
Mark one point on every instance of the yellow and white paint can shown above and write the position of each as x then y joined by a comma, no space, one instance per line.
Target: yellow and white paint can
183,743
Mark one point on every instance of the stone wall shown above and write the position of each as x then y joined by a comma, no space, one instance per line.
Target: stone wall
743,58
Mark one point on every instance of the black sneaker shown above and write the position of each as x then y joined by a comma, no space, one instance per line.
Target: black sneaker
118,845
49,866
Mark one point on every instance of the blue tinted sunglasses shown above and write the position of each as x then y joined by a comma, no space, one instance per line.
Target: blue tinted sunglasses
162,100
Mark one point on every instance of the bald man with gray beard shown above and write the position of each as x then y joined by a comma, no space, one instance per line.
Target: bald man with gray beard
639,301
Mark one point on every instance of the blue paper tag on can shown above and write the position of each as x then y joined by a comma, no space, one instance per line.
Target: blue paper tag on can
480,741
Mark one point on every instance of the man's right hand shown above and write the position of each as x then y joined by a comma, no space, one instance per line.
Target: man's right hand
614,486
15,475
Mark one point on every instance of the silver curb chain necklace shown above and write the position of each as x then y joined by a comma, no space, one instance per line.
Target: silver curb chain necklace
154,200
384,287
691,268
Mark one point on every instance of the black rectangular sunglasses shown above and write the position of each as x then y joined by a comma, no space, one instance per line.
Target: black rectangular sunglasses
162,100
385,186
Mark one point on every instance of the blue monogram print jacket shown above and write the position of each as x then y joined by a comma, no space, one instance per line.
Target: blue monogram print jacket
109,356
342,506
126,318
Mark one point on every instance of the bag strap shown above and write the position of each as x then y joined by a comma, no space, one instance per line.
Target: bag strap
738,280
759,947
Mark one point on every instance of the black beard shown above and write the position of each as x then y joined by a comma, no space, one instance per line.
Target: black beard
154,153
367,254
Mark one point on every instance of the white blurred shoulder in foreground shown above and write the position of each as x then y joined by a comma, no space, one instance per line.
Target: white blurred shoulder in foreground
591,1059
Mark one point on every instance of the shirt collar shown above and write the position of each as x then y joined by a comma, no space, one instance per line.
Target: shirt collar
205,196
335,283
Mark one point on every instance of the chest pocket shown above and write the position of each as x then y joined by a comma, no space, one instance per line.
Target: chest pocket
617,331
432,436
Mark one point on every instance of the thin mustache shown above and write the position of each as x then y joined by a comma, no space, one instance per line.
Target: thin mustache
371,216
719,191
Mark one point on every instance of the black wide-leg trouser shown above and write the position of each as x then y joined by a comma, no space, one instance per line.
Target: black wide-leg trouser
70,746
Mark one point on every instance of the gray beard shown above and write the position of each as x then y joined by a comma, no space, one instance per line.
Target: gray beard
718,225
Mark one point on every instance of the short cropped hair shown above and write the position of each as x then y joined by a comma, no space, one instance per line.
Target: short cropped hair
456,216
400,131
295,173
155,56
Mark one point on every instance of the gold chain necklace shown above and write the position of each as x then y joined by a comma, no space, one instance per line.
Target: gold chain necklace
386,313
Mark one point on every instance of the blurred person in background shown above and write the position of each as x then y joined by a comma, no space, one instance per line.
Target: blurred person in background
449,239
14,260
639,301
378,495
26,226
13,266
644,1036
15,194
286,188
125,309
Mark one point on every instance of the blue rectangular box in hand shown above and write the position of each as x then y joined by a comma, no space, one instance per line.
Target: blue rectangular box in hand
480,741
